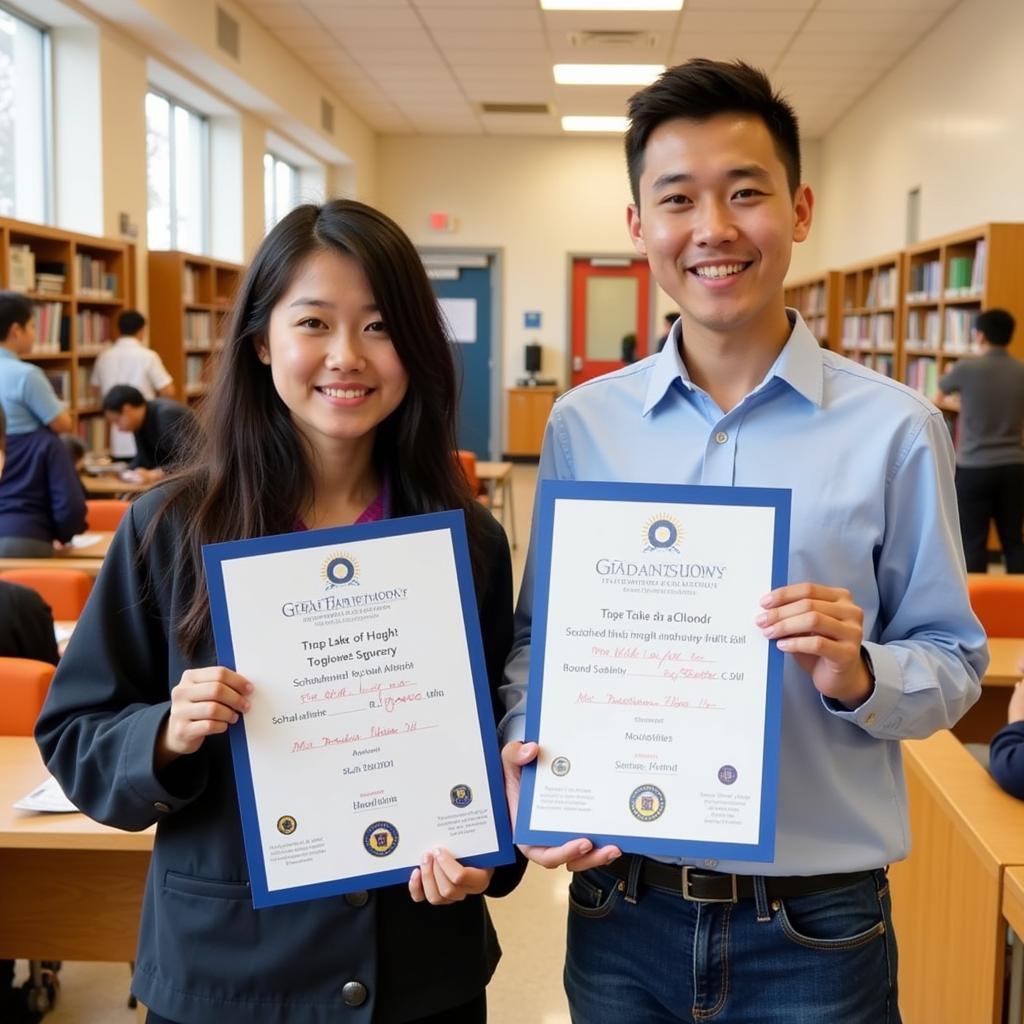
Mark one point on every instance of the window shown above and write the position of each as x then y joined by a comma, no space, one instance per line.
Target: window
280,188
177,169
24,119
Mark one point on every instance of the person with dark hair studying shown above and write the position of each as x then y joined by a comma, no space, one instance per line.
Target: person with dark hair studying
163,430
878,640
333,403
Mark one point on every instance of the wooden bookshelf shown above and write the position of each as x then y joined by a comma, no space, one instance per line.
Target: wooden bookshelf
818,299
190,298
869,313
79,284
947,282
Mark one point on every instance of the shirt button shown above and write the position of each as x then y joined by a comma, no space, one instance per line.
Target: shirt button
354,993
162,807
357,899
721,437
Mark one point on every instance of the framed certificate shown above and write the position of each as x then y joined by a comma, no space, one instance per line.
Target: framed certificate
371,736
653,695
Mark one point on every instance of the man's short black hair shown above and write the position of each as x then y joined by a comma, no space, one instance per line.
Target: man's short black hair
702,89
131,321
121,395
15,308
996,325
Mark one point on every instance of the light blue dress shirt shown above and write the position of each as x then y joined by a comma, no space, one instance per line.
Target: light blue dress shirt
26,395
870,465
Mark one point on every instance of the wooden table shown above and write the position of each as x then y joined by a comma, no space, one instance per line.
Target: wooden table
988,716
70,889
87,559
1013,911
111,486
498,478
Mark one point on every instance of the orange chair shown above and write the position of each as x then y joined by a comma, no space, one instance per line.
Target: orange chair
467,460
64,590
104,513
998,601
23,687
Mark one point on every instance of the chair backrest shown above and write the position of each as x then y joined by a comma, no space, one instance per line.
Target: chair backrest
105,513
23,687
998,601
64,590
467,460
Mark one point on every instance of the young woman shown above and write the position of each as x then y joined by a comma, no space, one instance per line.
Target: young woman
333,404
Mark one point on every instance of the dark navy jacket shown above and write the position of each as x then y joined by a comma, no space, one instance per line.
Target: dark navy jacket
41,496
1006,758
205,955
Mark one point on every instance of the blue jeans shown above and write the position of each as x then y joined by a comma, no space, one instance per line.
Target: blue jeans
827,958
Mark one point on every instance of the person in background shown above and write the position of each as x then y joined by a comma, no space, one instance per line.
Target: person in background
26,631
162,428
670,319
1006,751
989,390
27,397
629,348
129,361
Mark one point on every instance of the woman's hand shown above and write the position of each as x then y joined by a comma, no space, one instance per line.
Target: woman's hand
204,703
441,879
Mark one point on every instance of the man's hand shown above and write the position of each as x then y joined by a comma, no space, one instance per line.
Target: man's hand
576,855
823,629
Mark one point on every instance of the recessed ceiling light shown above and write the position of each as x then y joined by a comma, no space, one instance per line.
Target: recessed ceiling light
607,74
595,124
611,5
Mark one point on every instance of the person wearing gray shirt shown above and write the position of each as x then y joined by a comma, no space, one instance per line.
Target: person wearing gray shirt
990,453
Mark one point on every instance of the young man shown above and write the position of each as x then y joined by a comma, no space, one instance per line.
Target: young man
26,396
161,427
128,361
879,639
990,454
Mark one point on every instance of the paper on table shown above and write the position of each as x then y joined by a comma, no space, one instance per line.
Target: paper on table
47,797
85,540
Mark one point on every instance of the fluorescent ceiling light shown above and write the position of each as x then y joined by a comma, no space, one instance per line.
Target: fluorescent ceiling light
595,124
611,5
607,74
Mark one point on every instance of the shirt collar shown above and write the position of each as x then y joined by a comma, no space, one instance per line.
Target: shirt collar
800,364
8,353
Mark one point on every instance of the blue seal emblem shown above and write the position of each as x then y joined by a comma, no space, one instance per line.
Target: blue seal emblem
381,839
727,775
461,796
560,766
662,534
647,803
340,570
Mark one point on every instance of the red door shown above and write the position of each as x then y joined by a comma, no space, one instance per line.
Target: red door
610,306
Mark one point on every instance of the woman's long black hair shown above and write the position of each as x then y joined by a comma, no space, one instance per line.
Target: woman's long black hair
249,473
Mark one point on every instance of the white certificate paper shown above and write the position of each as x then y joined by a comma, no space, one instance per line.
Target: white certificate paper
653,696
371,735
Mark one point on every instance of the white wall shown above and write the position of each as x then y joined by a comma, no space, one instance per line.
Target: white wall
950,119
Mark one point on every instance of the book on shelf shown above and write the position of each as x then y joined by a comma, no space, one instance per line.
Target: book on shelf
83,385
21,268
882,288
925,281
52,328
198,329
194,367
60,381
51,277
956,334
94,281
189,283
92,328
923,375
93,432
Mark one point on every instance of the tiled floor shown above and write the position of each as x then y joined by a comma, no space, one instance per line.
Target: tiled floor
531,922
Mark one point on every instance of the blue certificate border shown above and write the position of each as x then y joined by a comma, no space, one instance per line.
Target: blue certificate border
551,491
214,557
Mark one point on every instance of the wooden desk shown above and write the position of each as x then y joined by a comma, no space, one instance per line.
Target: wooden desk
1013,911
88,559
70,889
111,486
988,716
947,896
498,478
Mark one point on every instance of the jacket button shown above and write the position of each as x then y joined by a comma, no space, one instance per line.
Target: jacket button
354,993
357,899
162,807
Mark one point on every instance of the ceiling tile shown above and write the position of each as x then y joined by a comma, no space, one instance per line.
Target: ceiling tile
477,39
741,21
487,4
755,47
485,20
848,42
746,5
885,5
521,124
868,22
284,16
356,18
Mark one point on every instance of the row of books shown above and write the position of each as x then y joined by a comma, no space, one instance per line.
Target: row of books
966,274
195,367
198,329
923,375
878,362
94,280
190,283
60,381
52,327
924,328
92,328
875,330
925,281
882,288
811,300
956,334
93,432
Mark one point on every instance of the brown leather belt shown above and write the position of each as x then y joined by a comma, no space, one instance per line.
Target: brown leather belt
701,886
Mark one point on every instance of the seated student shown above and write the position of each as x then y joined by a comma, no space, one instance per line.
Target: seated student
26,395
1006,753
41,497
26,631
162,428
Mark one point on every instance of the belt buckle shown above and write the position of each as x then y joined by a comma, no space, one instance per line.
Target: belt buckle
734,898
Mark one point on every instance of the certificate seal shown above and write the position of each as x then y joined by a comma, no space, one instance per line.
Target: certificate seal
339,570
727,775
381,839
662,534
560,766
647,803
286,825
461,796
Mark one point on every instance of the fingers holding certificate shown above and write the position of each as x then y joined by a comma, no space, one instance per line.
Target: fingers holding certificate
654,696
369,739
